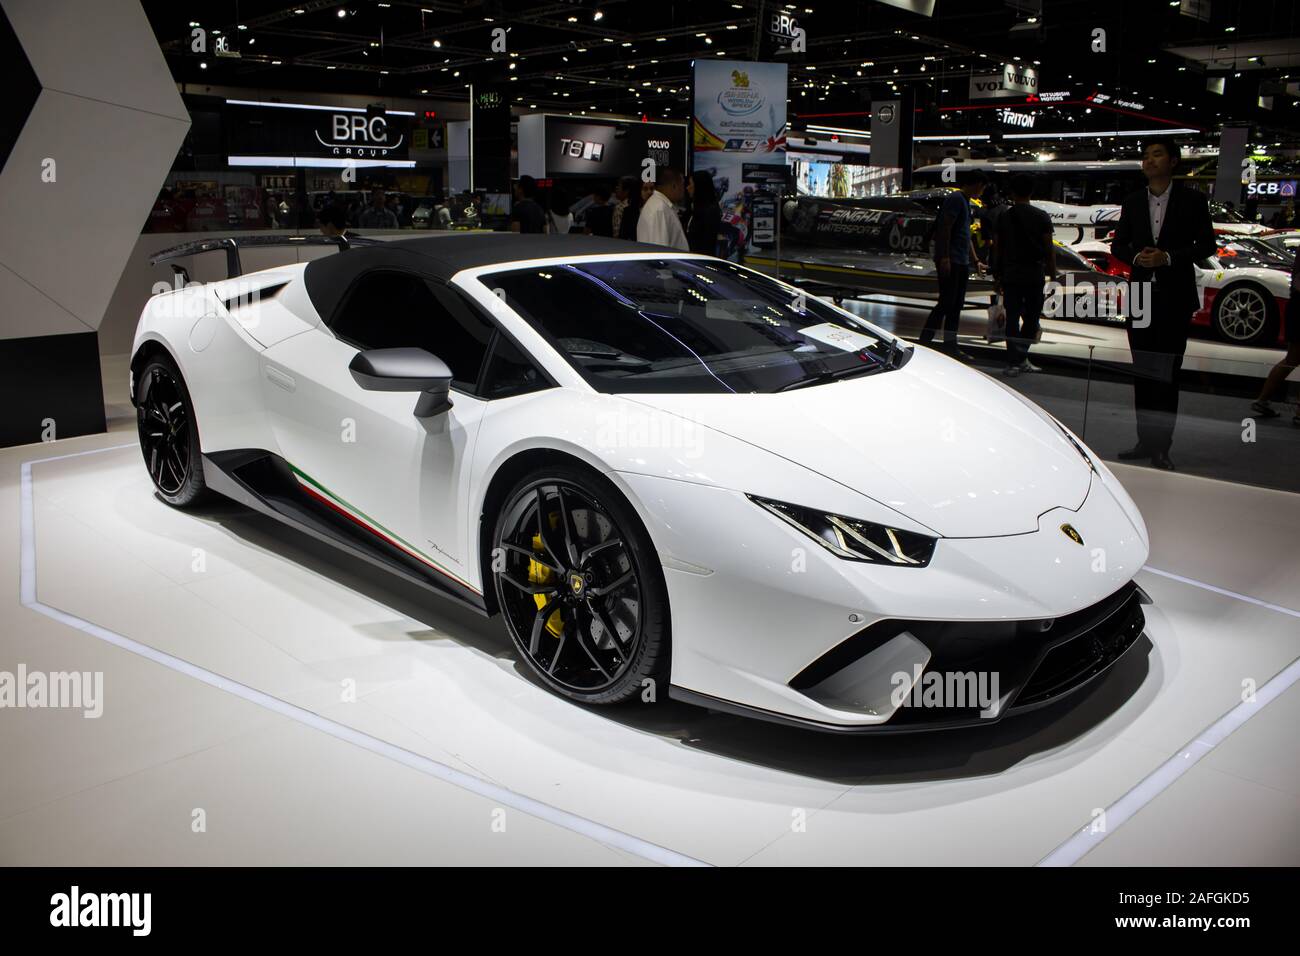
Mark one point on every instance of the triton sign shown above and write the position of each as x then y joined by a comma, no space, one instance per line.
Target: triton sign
1012,118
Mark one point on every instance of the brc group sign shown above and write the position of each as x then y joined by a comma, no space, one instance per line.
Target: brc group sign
309,131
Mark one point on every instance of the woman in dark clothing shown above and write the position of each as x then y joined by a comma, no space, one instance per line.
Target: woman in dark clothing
706,215
630,212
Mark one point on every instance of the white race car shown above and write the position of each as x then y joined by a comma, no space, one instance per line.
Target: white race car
1245,287
666,472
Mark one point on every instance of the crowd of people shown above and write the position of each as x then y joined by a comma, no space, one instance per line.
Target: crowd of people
670,210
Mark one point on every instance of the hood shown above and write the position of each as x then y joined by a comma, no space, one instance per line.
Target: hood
934,440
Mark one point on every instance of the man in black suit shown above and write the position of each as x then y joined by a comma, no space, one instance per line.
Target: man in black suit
1163,230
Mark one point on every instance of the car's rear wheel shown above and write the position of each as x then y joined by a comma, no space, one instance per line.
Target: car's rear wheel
581,588
1245,313
169,435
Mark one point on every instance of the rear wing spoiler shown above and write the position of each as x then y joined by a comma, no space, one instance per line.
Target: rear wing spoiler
232,245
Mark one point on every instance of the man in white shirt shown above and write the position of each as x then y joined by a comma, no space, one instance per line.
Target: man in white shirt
659,223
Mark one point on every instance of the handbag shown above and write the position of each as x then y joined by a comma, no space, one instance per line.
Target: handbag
996,329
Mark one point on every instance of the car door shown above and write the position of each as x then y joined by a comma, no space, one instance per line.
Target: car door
364,453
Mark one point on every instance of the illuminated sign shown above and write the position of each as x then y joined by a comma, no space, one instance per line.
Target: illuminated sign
1282,189
578,149
1012,81
1012,118
310,132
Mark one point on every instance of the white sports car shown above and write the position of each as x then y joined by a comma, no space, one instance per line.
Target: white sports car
663,470
1245,287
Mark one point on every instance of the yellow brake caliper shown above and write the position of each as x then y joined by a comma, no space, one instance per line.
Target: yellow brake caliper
539,573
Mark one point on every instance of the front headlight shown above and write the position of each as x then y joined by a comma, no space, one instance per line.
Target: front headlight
853,538
1073,441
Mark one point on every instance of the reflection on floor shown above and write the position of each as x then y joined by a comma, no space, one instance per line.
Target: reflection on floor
239,597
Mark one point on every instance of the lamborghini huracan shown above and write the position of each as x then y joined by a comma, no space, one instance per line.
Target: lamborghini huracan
668,474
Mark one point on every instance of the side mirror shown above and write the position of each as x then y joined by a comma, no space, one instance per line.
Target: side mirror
405,370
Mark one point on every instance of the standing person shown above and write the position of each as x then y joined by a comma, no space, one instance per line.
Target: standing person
527,215
1022,253
559,218
706,214
953,256
377,215
628,211
1162,231
333,222
1279,372
659,223
600,214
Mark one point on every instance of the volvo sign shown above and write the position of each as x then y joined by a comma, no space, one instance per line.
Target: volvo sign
1013,80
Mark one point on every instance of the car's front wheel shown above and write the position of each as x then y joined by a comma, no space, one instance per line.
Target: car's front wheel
581,588
169,435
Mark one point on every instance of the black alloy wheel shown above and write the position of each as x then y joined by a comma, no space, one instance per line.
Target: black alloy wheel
168,433
580,588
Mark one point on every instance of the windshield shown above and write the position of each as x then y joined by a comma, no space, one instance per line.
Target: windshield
691,325
1239,252
1222,213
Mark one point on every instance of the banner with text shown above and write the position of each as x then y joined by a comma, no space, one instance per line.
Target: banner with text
738,137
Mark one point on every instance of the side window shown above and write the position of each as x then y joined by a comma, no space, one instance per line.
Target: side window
389,310
510,372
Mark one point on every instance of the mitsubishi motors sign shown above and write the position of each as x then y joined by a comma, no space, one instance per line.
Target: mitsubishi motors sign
1013,80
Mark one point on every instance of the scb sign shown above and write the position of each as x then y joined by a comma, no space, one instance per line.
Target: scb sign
1276,189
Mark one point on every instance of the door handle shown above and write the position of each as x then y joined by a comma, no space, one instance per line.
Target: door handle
279,378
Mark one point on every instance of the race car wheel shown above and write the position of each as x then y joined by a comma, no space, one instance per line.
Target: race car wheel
1246,314
169,436
581,588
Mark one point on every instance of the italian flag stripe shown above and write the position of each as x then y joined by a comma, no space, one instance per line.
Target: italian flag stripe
363,520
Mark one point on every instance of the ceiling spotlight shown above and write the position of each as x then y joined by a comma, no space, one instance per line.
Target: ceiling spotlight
203,65
342,13
597,15
437,44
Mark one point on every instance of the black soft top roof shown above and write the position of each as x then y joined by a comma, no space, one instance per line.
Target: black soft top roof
442,256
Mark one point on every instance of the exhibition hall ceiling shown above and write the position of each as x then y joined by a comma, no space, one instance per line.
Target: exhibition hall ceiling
631,57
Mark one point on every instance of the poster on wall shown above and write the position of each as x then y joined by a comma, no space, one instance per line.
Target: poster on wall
738,137
576,148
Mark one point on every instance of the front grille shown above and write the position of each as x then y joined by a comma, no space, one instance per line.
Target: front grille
1035,664
1083,657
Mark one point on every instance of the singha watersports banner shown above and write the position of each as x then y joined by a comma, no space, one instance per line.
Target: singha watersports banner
739,138
849,224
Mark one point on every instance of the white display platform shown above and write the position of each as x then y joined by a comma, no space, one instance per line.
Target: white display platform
254,629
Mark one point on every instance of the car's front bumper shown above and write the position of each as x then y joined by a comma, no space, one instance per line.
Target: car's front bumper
766,622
